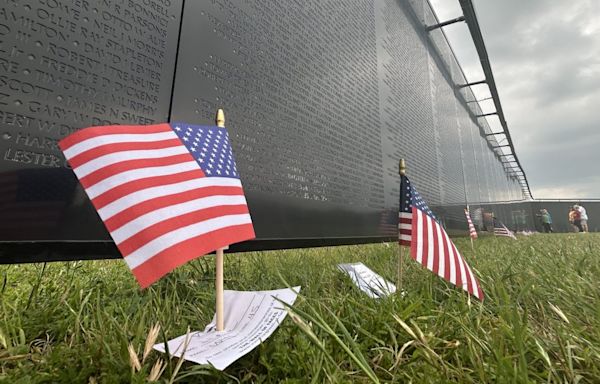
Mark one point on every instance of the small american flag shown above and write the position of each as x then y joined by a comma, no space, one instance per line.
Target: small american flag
472,231
167,193
501,230
429,244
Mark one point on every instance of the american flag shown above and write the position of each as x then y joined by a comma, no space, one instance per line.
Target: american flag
472,231
167,193
429,244
501,230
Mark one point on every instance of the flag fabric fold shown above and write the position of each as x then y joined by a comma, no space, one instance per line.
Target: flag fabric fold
429,243
501,230
472,231
167,193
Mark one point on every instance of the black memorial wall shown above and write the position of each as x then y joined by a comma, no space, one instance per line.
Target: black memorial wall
322,99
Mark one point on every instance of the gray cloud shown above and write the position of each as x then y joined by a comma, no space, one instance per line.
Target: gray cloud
546,60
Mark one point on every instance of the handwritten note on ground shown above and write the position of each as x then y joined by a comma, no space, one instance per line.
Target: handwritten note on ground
368,281
250,318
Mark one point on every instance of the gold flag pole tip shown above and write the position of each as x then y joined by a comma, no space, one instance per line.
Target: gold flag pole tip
402,167
220,119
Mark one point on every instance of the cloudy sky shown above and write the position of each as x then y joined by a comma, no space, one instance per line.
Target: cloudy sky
545,55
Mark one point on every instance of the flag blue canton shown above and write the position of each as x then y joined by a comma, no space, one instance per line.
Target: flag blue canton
209,145
409,197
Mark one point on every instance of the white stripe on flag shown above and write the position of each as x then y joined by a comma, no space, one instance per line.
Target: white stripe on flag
451,258
142,222
137,174
405,237
404,226
118,157
473,281
159,244
137,197
463,274
441,260
98,141
430,248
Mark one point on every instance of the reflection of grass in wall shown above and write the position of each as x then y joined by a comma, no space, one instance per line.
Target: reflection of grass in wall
540,321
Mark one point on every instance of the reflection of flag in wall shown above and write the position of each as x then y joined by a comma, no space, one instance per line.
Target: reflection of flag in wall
472,231
33,201
429,244
167,193
501,230
477,217
388,222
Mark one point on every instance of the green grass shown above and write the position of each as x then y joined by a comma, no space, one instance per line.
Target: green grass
540,322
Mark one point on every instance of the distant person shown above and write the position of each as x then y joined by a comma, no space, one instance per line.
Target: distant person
583,217
546,220
574,217
577,219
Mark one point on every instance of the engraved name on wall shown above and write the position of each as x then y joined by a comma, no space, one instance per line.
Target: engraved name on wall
67,64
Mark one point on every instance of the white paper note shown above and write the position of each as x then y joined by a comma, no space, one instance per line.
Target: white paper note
250,318
368,281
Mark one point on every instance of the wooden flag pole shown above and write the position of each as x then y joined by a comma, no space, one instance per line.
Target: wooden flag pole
220,120
402,172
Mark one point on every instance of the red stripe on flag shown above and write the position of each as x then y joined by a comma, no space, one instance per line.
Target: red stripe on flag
144,236
191,248
135,211
106,149
137,185
92,132
479,290
471,279
130,165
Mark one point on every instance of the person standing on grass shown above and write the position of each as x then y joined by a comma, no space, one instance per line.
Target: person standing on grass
583,217
573,214
577,219
546,220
